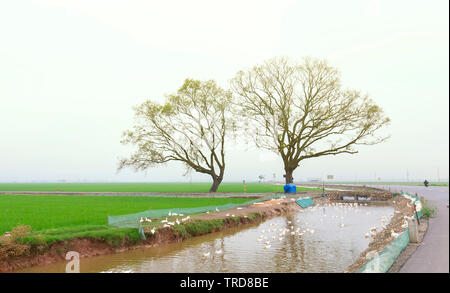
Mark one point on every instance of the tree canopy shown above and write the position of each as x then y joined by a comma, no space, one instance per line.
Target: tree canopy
191,127
301,111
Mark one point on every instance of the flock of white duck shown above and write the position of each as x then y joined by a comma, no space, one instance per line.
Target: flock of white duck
302,228
269,236
178,221
276,232
412,203
166,222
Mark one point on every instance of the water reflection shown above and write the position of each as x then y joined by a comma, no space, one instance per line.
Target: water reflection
319,239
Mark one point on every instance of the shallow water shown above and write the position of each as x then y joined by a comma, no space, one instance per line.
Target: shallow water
336,242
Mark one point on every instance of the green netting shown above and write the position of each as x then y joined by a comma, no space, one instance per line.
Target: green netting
305,202
141,232
416,201
382,261
132,220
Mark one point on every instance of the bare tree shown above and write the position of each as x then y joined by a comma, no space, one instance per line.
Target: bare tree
191,127
301,111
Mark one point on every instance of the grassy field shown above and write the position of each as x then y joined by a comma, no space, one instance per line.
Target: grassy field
142,187
60,211
62,217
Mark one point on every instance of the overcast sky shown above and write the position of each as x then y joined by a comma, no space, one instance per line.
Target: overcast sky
70,72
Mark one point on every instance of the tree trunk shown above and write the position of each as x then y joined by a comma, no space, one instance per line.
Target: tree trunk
288,176
215,185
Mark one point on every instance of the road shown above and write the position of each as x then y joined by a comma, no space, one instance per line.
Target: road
432,256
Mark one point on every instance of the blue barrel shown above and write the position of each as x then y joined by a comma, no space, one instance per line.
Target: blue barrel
290,188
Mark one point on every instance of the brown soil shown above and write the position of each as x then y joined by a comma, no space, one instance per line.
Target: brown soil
269,209
339,186
88,247
370,193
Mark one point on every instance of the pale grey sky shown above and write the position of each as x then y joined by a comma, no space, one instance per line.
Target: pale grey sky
70,72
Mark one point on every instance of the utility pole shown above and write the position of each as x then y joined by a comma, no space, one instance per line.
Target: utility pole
323,188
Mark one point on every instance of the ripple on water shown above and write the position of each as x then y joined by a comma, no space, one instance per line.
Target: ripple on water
331,248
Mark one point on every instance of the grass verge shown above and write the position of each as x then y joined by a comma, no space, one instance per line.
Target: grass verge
428,210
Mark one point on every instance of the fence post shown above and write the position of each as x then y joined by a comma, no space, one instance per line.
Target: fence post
413,231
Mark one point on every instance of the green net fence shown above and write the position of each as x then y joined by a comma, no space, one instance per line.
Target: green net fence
132,220
383,260
416,201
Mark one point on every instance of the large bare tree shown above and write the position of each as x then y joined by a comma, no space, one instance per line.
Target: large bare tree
301,111
191,127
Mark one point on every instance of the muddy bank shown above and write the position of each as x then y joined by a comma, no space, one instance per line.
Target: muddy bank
337,186
403,208
367,193
210,223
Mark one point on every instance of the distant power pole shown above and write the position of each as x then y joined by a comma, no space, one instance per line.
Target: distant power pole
407,176
438,174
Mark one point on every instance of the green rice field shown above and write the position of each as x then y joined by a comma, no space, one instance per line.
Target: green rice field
62,211
143,187
60,217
